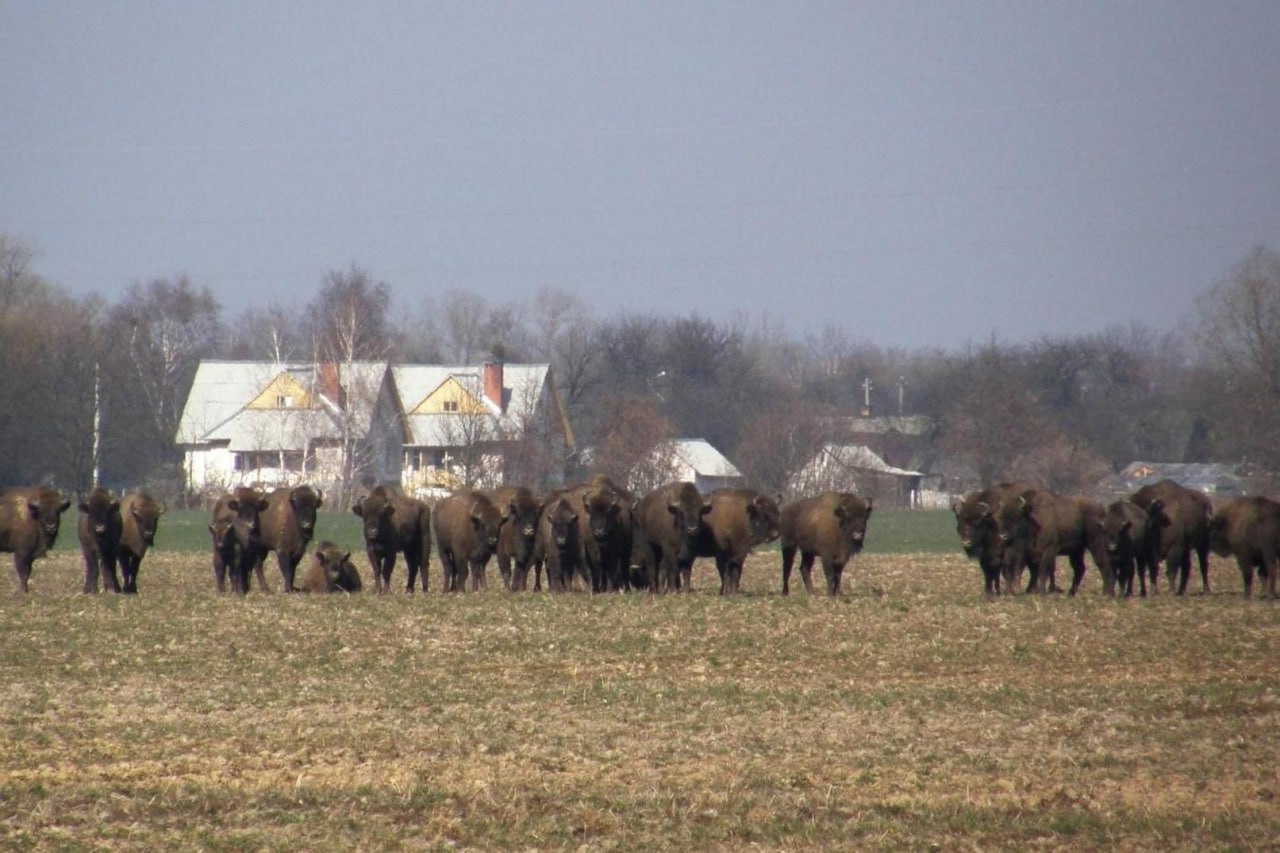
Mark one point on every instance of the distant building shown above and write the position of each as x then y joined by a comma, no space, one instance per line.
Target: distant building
1213,479
855,468
696,461
428,428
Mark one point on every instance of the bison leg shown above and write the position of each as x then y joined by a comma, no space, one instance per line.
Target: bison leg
788,558
504,570
833,571
91,571
22,566
1077,571
1183,569
129,571
1202,556
806,569
990,577
1246,574
257,570
219,574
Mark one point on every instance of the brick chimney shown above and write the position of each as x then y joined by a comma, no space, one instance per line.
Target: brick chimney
492,373
329,385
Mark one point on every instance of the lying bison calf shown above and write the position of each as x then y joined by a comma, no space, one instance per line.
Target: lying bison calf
1249,530
830,527
330,570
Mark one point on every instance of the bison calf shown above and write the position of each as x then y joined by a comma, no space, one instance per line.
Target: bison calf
330,570
831,527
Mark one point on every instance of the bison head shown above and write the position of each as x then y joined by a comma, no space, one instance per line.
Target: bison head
852,515
305,501
602,506
687,510
146,514
563,522
765,519
487,520
376,509
46,509
339,572
99,509
974,524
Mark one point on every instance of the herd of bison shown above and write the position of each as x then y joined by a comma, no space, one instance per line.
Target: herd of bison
602,538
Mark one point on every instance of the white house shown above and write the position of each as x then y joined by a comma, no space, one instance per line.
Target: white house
695,460
422,426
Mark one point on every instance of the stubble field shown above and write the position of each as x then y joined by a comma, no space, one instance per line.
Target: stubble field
910,713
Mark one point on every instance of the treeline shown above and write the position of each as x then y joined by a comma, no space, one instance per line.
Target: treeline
1059,412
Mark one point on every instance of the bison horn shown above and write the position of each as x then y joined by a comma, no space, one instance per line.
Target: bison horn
319,497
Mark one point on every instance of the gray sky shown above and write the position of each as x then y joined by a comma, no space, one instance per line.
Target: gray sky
918,174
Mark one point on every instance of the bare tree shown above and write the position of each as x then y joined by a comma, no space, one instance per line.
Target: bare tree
1239,337
780,441
633,445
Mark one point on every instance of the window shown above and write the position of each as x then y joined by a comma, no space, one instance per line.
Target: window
450,405
284,401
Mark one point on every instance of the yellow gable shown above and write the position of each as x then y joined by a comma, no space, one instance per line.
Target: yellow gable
450,398
284,392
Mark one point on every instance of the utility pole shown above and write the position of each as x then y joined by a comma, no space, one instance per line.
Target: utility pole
902,386
866,397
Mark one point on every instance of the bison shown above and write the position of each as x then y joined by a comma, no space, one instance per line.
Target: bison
979,537
668,526
1184,530
1039,526
1132,542
29,522
139,518
1249,530
395,524
832,527
286,527
330,570
516,542
606,533
559,545
468,526
739,520
99,533
237,538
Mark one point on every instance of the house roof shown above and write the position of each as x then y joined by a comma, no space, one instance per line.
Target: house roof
1207,477
215,408
854,457
704,459
522,384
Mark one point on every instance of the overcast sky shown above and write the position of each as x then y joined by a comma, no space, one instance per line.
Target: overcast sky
916,174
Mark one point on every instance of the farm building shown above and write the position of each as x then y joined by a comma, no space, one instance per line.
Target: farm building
426,427
855,468
696,461
1214,479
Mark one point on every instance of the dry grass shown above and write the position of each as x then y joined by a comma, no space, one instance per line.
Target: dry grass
911,713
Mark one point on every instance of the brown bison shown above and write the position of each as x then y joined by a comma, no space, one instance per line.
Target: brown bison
606,533
29,522
1132,542
235,530
1184,530
1249,530
979,536
739,520
1039,526
139,518
559,545
516,542
330,570
286,527
831,527
468,526
668,526
395,524
99,532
